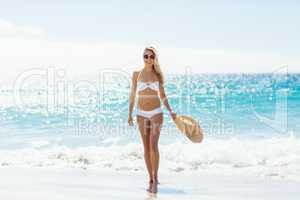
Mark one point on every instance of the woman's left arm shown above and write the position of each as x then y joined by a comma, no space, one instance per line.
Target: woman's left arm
165,101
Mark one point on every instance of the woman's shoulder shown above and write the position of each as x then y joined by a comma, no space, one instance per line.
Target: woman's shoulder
135,74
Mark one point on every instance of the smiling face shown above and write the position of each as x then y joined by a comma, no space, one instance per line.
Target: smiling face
148,57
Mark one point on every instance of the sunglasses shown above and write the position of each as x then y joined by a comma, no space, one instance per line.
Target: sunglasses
147,56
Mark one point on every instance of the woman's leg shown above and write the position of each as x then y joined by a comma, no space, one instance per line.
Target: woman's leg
155,127
144,128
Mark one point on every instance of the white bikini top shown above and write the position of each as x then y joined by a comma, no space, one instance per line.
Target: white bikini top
144,85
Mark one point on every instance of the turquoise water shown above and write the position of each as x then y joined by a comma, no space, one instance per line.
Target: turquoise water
250,121
226,105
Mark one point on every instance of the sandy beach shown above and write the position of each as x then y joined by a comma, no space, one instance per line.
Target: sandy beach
72,183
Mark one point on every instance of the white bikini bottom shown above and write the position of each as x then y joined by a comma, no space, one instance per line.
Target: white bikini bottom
149,113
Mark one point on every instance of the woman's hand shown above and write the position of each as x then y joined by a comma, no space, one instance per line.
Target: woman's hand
130,121
173,115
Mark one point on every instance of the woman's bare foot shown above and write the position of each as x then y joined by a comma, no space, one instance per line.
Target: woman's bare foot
149,188
153,187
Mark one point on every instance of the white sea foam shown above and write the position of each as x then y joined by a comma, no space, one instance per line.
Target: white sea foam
276,157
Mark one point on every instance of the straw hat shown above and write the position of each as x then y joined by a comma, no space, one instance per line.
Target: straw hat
189,127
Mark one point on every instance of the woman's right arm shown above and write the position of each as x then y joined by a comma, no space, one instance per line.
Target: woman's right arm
132,96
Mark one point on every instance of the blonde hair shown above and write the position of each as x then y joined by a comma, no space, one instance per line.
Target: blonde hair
156,65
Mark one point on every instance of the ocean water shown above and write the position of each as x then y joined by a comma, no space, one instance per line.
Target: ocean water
250,121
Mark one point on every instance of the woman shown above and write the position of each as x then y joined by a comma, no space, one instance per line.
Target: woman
148,83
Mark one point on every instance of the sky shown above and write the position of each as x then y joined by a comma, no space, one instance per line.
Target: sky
207,36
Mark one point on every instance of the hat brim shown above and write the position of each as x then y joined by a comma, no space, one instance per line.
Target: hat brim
189,127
